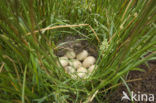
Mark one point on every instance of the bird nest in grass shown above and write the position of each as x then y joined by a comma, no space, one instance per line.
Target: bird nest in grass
77,56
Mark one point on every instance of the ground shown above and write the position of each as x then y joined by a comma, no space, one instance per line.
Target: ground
147,85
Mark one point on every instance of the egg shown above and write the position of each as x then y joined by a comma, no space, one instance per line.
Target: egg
70,54
82,55
63,58
63,61
90,60
81,72
73,76
91,68
75,63
69,69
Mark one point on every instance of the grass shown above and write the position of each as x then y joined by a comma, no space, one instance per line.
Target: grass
28,70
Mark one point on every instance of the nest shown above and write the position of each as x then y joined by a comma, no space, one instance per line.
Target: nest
69,50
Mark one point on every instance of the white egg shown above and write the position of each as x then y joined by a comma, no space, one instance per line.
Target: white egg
75,63
82,55
81,72
63,61
91,68
69,69
73,76
63,58
90,60
70,54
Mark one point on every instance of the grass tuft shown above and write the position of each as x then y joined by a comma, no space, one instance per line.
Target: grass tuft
123,31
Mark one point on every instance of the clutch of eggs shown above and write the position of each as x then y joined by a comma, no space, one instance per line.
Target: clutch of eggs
80,65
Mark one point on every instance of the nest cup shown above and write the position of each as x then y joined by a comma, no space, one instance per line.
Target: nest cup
77,56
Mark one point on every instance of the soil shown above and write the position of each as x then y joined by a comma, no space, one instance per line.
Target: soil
145,86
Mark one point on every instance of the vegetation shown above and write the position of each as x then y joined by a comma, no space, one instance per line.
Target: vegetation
28,72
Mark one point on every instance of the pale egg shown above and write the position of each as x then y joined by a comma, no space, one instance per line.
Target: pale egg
73,76
69,69
91,68
81,72
63,58
75,63
90,60
82,55
70,54
63,61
